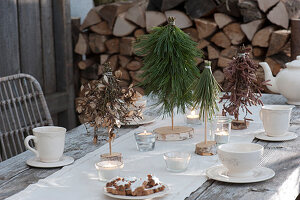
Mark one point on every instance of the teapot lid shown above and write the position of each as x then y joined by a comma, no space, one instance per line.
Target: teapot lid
294,63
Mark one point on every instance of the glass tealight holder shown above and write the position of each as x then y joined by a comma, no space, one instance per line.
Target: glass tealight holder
145,141
193,118
108,169
177,161
220,129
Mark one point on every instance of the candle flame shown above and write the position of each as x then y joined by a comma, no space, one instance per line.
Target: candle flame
192,112
145,131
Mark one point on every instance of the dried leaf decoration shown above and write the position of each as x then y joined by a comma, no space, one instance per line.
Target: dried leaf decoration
103,104
243,88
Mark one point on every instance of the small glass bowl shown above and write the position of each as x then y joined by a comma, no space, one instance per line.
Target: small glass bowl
145,141
108,169
177,161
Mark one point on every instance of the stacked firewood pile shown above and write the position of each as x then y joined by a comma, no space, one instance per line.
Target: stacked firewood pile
219,26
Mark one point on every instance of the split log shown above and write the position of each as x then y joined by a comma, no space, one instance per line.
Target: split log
138,32
229,52
139,90
234,33
134,65
102,28
182,20
199,60
229,7
90,73
265,5
205,27
222,19
103,58
82,46
259,52
100,70
169,4
83,64
109,12
223,62
153,19
295,39
278,40
135,75
193,33
293,8
123,27
97,43
219,76
123,84
113,62
125,74
274,65
124,60
196,10
202,44
221,40
279,15
91,18
136,14
113,45
213,53
249,10
251,28
126,46
262,37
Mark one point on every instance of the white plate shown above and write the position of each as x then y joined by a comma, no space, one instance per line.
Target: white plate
146,120
151,196
65,160
219,173
286,137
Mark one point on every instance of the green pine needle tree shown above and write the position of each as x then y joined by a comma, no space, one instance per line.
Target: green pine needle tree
206,94
169,66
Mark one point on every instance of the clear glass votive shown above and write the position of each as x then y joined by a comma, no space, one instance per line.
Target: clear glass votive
108,169
193,118
221,129
177,161
145,141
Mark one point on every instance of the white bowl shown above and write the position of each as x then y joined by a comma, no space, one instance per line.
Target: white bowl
240,158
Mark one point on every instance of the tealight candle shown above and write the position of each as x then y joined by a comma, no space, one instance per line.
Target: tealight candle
177,161
108,169
193,118
145,141
222,137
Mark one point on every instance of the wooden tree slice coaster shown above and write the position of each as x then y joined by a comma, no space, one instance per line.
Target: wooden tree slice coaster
239,125
113,157
166,133
208,149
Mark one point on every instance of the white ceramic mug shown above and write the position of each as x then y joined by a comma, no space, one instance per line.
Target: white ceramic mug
240,158
49,142
276,119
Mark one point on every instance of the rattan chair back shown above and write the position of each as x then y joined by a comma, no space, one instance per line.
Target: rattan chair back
22,108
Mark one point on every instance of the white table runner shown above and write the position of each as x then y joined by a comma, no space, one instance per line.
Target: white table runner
80,180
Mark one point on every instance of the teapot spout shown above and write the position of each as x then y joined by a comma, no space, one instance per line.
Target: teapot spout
269,76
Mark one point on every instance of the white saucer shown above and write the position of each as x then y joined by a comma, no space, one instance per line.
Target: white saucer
146,120
219,173
150,196
65,160
287,136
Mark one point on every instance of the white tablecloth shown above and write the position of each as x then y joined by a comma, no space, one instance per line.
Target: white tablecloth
80,181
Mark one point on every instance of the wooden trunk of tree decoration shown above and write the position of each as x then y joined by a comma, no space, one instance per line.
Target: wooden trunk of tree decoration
206,95
169,69
243,88
103,104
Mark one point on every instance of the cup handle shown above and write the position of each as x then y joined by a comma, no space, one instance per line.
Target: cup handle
26,142
260,115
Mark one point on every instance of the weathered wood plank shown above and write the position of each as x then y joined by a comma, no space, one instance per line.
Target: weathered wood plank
9,59
49,76
30,38
54,102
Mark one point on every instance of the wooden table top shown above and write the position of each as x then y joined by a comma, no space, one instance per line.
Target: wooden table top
282,157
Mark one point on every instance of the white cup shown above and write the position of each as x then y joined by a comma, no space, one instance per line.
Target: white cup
240,158
276,119
49,142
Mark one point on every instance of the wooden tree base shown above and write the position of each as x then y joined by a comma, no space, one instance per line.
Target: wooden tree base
113,157
177,133
208,149
239,125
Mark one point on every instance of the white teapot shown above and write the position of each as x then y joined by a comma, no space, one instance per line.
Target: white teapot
287,81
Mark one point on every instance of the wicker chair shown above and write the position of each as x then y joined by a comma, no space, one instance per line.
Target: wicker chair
22,107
